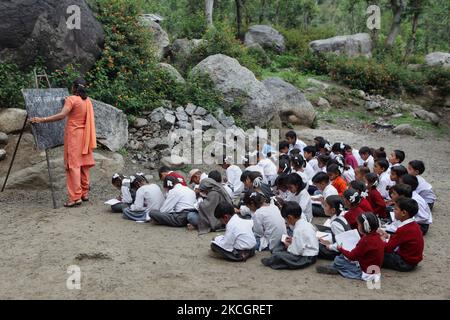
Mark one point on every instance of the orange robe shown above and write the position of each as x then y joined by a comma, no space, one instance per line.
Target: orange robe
79,142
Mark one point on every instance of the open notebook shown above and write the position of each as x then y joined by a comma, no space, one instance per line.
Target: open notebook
348,239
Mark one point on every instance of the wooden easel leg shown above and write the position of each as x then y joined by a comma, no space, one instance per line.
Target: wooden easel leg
15,152
50,179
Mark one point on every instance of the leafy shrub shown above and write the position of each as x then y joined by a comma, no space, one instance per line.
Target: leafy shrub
297,40
13,79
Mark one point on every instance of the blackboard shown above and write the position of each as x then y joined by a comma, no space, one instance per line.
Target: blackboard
45,103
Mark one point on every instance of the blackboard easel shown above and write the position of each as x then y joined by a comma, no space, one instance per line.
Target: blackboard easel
37,79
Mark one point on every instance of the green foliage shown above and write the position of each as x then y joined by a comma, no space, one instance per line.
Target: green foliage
12,79
297,40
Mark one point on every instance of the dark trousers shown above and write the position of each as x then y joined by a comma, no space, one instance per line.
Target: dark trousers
424,228
395,262
326,254
235,256
177,220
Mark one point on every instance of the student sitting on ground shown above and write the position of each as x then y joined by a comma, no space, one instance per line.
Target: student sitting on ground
336,179
404,249
352,199
298,251
396,158
148,197
381,168
424,217
126,197
253,181
164,172
299,193
333,208
217,176
294,142
269,169
283,148
322,182
195,177
376,200
360,174
396,172
362,190
350,158
233,174
179,203
238,243
312,164
424,189
368,253
212,193
367,158
268,224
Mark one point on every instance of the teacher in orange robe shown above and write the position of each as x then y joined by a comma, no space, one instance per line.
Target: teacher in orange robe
79,141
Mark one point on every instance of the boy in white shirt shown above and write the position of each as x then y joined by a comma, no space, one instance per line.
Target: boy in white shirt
180,201
233,174
294,142
298,251
238,243
322,183
424,189
270,170
367,158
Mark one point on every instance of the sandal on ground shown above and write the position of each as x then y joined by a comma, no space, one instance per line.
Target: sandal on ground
72,204
85,199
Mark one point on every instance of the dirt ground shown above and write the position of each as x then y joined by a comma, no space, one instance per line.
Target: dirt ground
120,259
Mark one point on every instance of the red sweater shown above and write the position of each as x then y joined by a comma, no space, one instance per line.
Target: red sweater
365,205
377,202
368,252
352,215
409,240
178,176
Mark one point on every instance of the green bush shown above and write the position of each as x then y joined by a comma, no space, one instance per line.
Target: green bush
297,40
12,80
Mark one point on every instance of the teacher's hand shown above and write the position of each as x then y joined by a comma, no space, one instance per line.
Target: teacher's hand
36,120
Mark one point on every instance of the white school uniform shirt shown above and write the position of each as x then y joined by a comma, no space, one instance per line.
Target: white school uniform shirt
424,215
304,176
349,175
178,199
125,192
384,182
337,228
329,190
357,157
299,144
370,163
269,225
305,202
310,172
148,197
270,170
314,164
304,240
425,190
238,235
234,179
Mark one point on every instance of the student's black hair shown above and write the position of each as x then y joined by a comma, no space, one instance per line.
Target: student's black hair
283,145
319,139
402,190
117,178
333,168
365,150
336,203
379,153
372,178
409,205
347,147
383,163
310,149
222,209
400,155
291,135
285,166
244,175
252,175
296,180
324,144
281,180
216,176
321,177
324,159
353,196
163,169
364,170
418,165
298,161
399,170
410,180
358,186
80,87
338,147
170,182
257,198
372,220
291,208
137,181
295,152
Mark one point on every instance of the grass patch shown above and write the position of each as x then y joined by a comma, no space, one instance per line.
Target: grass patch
418,123
297,79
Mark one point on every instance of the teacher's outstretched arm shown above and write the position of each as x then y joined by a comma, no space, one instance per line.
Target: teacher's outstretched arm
57,117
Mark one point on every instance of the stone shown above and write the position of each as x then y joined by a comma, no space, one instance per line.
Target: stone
174,161
359,44
181,49
323,103
372,105
200,111
290,102
158,143
317,83
226,121
135,145
168,121
139,123
438,59
161,39
41,30
265,36
2,154
239,85
157,115
404,129
181,114
12,119
171,71
214,123
184,125
190,109
3,139
426,116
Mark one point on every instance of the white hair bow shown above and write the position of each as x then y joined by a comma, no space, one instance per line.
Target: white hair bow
364,194
341,207
353,197
169,183
115,176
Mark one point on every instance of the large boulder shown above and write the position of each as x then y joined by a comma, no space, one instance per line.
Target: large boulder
161,39
12,119
169,69
3,139
181,49
30,29
293,106
239,85
359,44
438,59
265,36
111,125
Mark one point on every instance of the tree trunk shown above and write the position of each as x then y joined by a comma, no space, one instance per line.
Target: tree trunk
398,7
239,7
262,13
209,9
415,25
